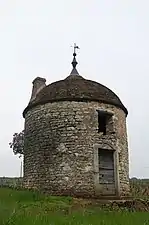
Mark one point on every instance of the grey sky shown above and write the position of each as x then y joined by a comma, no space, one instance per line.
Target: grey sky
35,40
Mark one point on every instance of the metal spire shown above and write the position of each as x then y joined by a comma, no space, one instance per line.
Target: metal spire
74,62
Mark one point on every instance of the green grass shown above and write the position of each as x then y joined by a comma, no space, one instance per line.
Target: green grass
30,208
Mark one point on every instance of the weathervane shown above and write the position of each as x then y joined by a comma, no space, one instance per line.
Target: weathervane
75,47
74,62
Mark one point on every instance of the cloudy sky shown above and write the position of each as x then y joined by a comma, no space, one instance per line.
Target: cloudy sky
35,40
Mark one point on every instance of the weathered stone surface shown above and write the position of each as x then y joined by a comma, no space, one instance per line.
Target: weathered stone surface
59,147
14,182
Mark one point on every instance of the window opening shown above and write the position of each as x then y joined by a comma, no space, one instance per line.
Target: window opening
104,121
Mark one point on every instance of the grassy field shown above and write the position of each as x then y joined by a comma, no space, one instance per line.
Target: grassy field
29,208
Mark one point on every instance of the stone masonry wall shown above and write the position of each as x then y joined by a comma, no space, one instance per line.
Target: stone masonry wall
11,182
59,147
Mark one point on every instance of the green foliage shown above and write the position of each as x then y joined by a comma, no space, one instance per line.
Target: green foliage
32,208
139,188
17,143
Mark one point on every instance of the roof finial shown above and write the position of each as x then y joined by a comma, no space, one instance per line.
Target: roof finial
74,62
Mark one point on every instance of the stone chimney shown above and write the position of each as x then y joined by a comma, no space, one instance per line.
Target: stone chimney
38,84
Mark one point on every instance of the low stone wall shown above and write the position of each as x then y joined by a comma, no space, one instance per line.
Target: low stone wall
10,182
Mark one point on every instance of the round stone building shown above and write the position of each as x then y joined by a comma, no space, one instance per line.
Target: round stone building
75,139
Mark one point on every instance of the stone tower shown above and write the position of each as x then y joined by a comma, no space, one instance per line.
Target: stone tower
76,139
